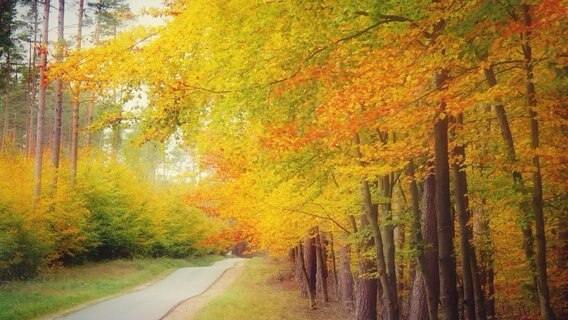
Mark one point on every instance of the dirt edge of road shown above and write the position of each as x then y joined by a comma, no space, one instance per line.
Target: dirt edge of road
187,309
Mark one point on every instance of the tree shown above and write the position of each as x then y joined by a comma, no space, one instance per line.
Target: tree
426,287
76,97
58,113
537,203
41,103
448,294
7,25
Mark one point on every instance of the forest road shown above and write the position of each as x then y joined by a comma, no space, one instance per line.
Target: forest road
157,300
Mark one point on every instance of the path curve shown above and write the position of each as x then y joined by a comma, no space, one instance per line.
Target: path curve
156,300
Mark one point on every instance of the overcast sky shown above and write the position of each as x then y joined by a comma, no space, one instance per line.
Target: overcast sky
71,17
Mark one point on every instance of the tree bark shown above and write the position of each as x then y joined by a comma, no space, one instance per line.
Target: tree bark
546,311
56,139
41,104
371,210
310,262
304,276
389,244
473,309
76,99
366,303
425,289
447,264
321,265
486,254
32,83
5,131
345,277
334,265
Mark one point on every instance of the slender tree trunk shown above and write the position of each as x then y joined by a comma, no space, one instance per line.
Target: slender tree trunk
401,281
299,275
345,277
117,132
76,98
518,184
6,129
478,294
92,99
56,144
473,310
310,262
334,265
447,264
366,303
304,275
389,244
41,104
486,254
371,210
546,311
425,290
321,265
32,83
90,110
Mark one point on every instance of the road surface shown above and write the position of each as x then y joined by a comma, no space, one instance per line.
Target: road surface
156,300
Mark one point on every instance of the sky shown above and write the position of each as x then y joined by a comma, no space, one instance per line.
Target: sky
71,17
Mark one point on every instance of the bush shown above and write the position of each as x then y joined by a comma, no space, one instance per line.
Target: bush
22,252
108,213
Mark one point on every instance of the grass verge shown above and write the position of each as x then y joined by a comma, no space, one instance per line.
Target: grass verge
63,289
259,294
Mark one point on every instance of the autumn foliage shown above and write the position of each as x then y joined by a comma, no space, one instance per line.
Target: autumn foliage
331,116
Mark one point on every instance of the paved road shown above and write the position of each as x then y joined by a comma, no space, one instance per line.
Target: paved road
154,301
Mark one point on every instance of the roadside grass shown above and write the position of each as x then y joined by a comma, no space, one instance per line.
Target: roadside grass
264,292
62,289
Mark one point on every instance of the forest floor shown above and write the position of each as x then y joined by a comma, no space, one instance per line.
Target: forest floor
263,288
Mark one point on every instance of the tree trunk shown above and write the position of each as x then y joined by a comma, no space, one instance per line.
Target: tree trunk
528,238
425,289
5,131
32,83
371,211
478,294
447,264
90,110
321,265
92,99
300,275
419,300
117,133
345,277
333,265
400,280
310,262
76,99
56,140
473,309
366,304
41,104
304,275
389,244
546,311
486,254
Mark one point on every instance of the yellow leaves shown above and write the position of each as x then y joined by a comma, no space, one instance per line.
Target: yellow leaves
115,61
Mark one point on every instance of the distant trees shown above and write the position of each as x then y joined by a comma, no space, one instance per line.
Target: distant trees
83,204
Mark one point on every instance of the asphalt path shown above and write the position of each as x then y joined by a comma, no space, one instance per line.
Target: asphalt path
155,301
